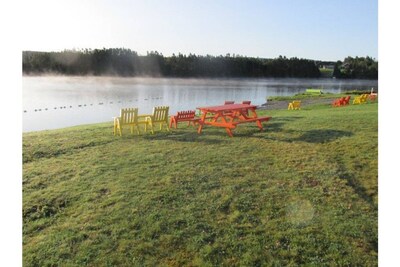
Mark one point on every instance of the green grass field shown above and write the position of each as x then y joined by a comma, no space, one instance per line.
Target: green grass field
303,192
326,73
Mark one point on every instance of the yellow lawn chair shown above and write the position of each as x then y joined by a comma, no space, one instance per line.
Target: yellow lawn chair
360,99
294,105
129,117
160,115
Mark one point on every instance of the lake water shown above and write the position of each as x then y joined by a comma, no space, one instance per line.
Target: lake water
55,102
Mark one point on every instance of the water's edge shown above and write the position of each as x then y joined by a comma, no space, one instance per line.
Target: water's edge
51,102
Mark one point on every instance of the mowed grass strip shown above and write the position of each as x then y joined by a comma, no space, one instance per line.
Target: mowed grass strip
303,192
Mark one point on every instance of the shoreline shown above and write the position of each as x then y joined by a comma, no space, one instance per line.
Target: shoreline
283,104
269,105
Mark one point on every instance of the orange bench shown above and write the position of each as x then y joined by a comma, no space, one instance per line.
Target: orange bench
188,115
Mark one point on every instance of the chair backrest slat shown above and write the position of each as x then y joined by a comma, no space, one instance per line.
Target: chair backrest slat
129,115
188,114
160,113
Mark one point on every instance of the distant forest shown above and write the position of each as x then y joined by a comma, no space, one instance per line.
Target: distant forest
127,63
356,68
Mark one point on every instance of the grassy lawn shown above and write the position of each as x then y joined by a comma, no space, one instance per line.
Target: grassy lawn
303,192
326,73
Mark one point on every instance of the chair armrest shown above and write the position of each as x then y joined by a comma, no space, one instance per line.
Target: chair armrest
149,118
143,117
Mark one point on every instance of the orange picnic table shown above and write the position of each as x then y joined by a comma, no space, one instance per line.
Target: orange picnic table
229,116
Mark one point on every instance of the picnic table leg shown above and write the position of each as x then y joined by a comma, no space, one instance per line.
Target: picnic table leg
244,114
259,124
203,118
228,130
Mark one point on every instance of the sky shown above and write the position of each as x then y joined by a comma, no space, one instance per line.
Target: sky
313,29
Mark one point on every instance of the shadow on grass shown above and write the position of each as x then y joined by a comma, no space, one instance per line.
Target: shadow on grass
291,118
184,136
322,136
251,129
352,182
274,127
357,187
312,136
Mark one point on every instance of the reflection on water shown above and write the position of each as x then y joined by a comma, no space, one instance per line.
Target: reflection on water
56,102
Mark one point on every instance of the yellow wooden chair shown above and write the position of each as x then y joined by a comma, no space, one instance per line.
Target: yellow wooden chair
160,115
128,117
294,105
364,98
360,99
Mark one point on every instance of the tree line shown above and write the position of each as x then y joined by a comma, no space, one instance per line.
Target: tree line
356,68
127,63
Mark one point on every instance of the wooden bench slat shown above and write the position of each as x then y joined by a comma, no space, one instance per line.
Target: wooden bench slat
181,116
261,119
222,124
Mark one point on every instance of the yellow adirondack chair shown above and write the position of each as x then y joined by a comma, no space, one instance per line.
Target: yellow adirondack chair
294,105
129,117
360,99
160,115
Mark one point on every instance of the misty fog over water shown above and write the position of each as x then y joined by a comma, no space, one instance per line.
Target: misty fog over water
51,102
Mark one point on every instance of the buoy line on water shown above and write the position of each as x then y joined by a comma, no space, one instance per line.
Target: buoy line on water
91,104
